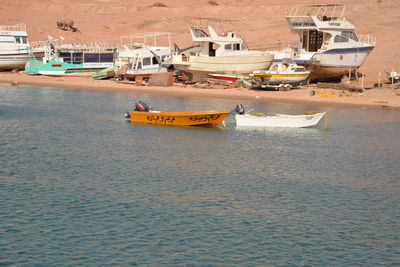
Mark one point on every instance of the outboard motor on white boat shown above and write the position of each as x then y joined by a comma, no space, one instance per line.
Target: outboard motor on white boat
239,109
141,106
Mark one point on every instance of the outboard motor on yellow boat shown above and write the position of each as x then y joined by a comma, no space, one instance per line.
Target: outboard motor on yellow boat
141,106
239,109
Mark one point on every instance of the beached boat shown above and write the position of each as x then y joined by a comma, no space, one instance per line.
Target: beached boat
328,43
392,69
276,120
72,59
143,114
281,75
14,47
143,59
225,53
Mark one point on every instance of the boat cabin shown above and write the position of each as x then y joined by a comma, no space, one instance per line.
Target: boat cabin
13,39
286,66
214,45
323,27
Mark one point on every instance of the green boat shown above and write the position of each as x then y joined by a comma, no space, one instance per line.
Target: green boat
72,60
104,74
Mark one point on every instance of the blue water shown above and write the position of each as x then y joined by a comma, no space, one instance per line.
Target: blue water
80,186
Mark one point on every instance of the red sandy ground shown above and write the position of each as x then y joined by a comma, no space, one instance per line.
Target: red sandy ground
261,23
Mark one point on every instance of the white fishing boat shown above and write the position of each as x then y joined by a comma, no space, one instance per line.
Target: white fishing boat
328,41
261,120
144,58
218,53
14,47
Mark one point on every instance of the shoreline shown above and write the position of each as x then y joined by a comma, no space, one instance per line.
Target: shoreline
377,98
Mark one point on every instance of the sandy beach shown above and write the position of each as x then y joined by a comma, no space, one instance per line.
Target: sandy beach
262,25
383,98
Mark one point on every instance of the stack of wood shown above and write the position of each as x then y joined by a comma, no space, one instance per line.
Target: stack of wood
340,86
211,82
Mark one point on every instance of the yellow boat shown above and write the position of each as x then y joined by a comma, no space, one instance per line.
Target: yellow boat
142,114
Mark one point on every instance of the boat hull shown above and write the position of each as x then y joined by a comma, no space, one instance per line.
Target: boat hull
330,64
202,66
180,118
283,78
279,120
64,69
13,61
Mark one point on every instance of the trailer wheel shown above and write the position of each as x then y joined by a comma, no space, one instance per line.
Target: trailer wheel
288,87
281,87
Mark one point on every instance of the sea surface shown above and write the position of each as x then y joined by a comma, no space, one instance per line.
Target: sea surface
81,186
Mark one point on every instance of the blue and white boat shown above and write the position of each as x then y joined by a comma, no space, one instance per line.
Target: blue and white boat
14,47
328,43
72,59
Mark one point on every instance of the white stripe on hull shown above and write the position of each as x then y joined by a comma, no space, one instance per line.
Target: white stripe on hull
9,62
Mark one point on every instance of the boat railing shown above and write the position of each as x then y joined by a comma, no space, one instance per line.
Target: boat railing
18,28
92,47
277,46
325,12
367,39
147,39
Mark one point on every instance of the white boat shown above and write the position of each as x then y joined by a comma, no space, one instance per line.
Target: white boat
392,69
328,41
226,53
14,47
283,72
276,120
143,59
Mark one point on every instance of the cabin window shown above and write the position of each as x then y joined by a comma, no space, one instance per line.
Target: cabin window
92,57
341,39
146,61
236,47
304,40
228,47
18,40
350,34
24,40
154,61
66,56
106,57
77,58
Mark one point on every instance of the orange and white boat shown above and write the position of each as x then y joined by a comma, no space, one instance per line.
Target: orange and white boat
143,114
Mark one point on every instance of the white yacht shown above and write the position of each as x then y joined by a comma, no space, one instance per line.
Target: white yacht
328,41
14,47
225,53
143,59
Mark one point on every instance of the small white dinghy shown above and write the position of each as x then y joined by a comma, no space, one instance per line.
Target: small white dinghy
276,120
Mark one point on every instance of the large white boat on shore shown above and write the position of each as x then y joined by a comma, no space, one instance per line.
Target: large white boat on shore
328,43
226,53
14,47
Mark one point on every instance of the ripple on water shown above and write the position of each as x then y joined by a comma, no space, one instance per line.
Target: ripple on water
80,186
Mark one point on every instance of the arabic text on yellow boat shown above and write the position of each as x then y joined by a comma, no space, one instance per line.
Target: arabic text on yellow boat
179,118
